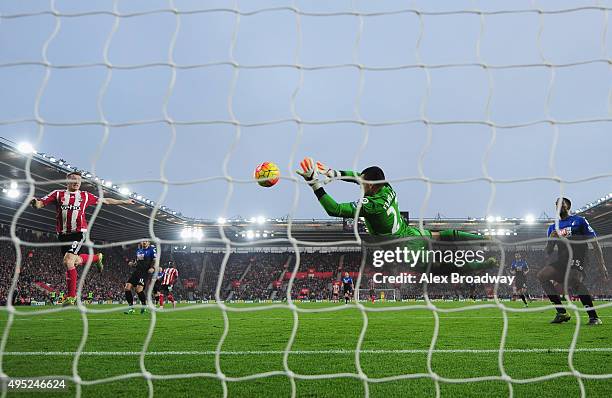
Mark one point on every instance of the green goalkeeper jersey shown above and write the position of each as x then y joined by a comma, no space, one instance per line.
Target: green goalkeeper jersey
383,219
380,212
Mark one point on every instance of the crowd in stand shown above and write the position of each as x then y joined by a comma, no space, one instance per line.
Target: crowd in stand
42,271
258,280
246,276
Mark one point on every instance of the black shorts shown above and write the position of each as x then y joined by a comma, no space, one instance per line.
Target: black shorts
163,289
138,277
521,281
73,241
335,295
347,289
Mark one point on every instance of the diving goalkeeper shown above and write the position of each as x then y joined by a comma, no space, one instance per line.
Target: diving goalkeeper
380,211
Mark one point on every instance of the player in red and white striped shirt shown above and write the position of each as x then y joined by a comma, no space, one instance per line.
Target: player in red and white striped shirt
168,280
70,224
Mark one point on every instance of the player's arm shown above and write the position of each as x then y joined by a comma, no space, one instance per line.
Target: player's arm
550,245
153,258
92,200
44,201
588,231
600,259
526,270
331,174
36,203
332,208
111,201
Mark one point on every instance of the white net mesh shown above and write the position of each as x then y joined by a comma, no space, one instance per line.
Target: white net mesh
427,117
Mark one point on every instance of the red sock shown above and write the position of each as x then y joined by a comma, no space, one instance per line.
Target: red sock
71,282
84,257
171,297
161,300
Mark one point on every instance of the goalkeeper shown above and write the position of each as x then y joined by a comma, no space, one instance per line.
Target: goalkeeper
380,211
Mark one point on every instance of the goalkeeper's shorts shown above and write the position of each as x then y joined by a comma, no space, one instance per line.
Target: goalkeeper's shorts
412,242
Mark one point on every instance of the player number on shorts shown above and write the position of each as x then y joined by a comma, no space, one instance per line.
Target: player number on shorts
391,210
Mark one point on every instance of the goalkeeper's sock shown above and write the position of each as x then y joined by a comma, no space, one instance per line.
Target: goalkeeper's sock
71,282
129,297
524,299
161,300
455,235
142,297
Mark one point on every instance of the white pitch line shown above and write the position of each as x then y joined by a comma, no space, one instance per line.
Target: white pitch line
308,318
307,352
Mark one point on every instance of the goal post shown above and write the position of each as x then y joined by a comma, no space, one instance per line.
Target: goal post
382,295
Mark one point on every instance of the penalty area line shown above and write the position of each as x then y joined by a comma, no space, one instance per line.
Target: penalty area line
307,352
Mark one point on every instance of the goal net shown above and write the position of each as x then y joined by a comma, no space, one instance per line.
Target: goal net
472,108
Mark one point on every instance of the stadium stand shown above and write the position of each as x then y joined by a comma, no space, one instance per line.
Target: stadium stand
256,275
261,273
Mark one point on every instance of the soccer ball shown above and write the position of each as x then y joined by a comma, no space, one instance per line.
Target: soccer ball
267,174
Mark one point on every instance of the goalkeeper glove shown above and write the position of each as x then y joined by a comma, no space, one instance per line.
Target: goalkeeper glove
330,174
309,173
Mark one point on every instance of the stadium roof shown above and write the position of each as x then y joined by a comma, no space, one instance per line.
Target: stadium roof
112,224
124,223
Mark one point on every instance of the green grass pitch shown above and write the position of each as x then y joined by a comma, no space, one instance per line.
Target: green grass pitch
395,344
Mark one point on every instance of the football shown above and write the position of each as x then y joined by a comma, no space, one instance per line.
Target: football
267,174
